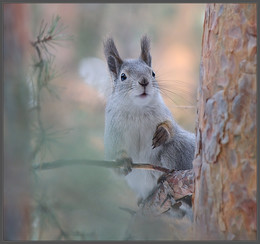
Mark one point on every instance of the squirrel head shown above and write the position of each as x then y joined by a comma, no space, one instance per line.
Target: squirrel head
134,79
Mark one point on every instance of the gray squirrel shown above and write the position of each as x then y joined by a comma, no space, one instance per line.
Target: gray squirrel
138,122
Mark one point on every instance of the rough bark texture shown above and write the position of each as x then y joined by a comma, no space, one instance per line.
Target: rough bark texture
175,186
166,214
225,161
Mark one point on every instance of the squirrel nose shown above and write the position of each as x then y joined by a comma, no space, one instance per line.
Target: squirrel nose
144,82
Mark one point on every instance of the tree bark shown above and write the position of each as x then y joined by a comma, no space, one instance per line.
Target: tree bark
225,159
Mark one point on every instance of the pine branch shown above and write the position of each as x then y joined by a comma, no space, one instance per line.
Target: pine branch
48,34
50,38
44,72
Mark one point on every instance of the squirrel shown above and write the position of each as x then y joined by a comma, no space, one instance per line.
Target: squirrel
138,123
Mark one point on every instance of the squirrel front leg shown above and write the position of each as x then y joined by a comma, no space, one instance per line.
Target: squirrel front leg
163,133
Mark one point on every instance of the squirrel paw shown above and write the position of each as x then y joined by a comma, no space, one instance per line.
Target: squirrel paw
140,202
163,133
125,163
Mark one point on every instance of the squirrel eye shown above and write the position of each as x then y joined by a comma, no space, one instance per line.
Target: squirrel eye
153,74
123,77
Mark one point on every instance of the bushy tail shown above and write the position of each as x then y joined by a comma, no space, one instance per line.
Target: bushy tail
95,74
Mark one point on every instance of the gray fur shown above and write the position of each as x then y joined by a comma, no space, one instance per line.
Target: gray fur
131,121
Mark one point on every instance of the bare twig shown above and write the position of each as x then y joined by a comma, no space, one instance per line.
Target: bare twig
128,210
98,163
185,107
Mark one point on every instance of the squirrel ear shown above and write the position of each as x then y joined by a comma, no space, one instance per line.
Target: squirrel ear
114,61
145,50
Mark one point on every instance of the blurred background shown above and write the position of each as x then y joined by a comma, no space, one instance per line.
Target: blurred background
63,118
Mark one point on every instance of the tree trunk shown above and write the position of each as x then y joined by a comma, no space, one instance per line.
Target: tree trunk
225,158
16,207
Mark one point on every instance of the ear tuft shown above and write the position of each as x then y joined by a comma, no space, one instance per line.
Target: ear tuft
145,50
113,59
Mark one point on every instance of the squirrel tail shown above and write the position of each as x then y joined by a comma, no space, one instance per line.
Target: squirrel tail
95,74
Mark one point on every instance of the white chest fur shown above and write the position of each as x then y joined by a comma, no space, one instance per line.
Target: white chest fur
137,137
137,141
132,130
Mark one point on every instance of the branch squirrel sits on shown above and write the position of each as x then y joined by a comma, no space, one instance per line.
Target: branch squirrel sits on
138,123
